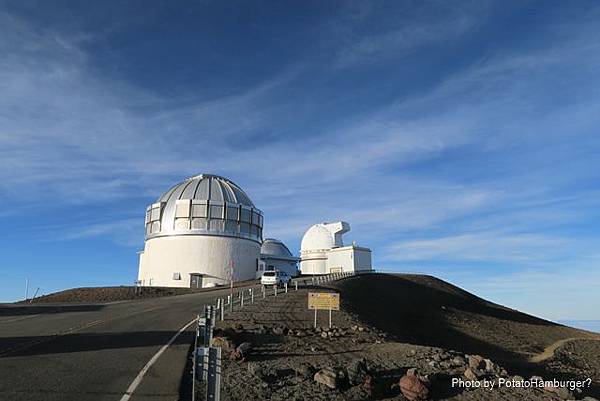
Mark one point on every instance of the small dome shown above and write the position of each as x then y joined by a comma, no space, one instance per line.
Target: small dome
317,237
274,247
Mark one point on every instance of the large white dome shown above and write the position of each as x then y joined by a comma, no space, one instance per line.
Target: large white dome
205,204
203,231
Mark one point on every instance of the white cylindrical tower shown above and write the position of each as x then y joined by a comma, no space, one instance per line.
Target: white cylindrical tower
202,232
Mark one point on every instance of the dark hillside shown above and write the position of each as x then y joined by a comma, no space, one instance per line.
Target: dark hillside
424,310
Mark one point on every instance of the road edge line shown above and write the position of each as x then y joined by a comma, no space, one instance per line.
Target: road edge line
138,379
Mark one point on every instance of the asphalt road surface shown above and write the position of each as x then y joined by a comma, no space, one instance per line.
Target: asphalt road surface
98,352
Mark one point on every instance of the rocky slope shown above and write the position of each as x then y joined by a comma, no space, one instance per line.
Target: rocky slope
398,337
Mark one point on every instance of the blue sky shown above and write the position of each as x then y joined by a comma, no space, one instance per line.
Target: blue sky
459,139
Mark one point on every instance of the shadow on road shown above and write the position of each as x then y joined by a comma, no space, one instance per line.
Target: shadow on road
22,310
81,342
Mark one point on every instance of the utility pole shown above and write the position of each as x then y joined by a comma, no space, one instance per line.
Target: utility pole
26,288
231,285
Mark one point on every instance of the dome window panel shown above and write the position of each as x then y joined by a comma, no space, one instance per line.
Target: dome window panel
199,224
148,216
231,227
255,217
182,208
182,224
245,228
232,213
245,215
155,214
217,225
199,210
260,220
155,227
254,231
148,229
216,211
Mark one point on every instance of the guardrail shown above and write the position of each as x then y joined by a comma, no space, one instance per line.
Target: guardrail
206,369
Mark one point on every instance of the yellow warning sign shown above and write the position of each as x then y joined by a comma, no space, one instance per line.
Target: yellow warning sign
323,300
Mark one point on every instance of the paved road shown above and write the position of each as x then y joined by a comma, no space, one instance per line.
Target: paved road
94,352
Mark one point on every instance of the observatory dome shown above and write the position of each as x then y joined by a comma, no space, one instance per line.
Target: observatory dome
274,247
322,251
205,203
323,236
202,232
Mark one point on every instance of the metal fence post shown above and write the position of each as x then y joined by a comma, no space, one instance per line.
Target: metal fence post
213,387
241,299
252,295
275,289
296,285
222,311
285,287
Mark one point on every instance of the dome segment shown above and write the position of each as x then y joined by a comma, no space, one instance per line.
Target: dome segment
205,204
275,248
207,187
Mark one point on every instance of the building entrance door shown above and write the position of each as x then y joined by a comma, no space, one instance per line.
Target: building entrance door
195,280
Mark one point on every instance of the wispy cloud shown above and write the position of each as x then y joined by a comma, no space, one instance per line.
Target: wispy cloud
483,247
424,29
492,163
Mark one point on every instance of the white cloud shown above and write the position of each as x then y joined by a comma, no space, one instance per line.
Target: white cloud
422,31
483,247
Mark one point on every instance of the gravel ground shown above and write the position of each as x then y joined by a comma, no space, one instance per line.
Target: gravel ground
287,352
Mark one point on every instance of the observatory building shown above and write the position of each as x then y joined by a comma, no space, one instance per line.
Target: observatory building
277,256
202,232
322,251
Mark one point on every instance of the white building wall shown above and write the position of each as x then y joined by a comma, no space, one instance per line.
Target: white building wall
362,259
340,260
337,260
211,256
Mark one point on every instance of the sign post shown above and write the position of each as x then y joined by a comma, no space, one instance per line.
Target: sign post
325,301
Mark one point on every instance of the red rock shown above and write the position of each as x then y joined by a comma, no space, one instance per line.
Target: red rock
413,388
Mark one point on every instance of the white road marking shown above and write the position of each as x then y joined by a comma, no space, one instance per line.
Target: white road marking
138,379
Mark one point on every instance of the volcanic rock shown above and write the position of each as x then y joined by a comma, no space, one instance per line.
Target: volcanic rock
413,388
476,362
328,377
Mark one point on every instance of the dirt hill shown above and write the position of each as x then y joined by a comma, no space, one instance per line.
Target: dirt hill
424,310
388,326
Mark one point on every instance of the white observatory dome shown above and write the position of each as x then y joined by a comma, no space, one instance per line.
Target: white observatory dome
318,240
204,231
317,237
274,247
207,204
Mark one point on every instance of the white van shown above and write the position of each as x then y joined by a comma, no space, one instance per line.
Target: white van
274,277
